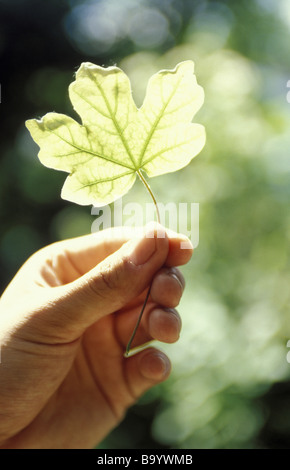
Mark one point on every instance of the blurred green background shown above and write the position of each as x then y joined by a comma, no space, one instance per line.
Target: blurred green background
230,385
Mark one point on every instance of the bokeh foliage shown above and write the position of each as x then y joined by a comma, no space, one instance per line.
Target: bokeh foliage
230,381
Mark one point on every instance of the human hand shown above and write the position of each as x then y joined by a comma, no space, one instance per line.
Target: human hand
65,320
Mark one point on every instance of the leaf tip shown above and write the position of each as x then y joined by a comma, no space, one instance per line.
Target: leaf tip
87,68
31,125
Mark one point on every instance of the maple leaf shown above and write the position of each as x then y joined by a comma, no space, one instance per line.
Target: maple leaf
117,141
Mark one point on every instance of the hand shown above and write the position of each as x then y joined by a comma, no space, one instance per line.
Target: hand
65,320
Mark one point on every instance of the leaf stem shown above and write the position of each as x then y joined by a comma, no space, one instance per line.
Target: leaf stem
151,194
138,322
149,289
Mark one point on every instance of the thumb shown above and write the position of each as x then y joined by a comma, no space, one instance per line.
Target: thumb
113,283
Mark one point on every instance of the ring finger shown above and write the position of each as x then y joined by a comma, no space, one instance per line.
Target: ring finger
158,323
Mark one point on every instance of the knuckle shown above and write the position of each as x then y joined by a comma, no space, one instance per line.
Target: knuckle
110,279
113,277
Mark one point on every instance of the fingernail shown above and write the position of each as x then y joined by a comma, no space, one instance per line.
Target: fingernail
155,365
141,250
177,278
186,244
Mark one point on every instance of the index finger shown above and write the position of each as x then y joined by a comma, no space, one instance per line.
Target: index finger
87,251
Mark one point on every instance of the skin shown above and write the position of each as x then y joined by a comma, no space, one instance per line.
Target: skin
65,321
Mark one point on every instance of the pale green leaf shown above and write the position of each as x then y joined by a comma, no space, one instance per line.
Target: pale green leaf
115,140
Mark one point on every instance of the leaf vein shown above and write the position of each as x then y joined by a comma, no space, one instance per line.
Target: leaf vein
156,122
94,154
166,149
116,124
105,180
